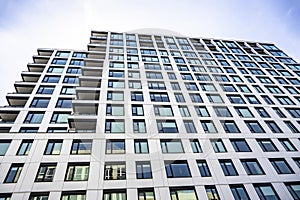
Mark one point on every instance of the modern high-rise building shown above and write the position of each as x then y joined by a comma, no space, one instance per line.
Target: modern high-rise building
144,116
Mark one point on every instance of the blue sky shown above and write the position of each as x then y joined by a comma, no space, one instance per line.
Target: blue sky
26,25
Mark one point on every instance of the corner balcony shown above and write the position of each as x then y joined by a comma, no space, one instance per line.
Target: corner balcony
91,71
8,114
97,40
85,107
31,76
92,47
96,56
40,59
24,87
45,52
17,100
93,63
99,33
94,82
87,93
34,67
82,122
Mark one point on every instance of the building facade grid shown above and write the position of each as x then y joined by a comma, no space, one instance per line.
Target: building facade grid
153,116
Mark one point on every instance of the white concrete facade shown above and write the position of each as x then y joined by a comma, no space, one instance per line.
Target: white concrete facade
224,85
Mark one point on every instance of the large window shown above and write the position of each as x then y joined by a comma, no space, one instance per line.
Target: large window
71,80
171,146
254,127
177,169
183,193
137,110
25,147
228,88
262,112
184,111
252,167
159,97
239,192
195,145
53,147
294,189
117,74
77,172
14,173
28,130
236,99
189,126
287,144
273,126
46,172
115,96
214,98
115,146
40,103
114,126
208,126
77,62
37,196
281,166
4,144
45,90
51,79
34,117
279,112
203,168
116,84
154,75
291,126
137,96
143,170
115,171
195,98
202,111
218,146
141,146
135,84
265,191
62,54
228,167
166,126
285,101
179,97
267,145
81,147
230,126
222,112
211,192
68,91
64,103
114,110
252,100
191,86
79,55
73,70
59,118
114,194
59,61
139,126
294,112
146,194
240,145
73,195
